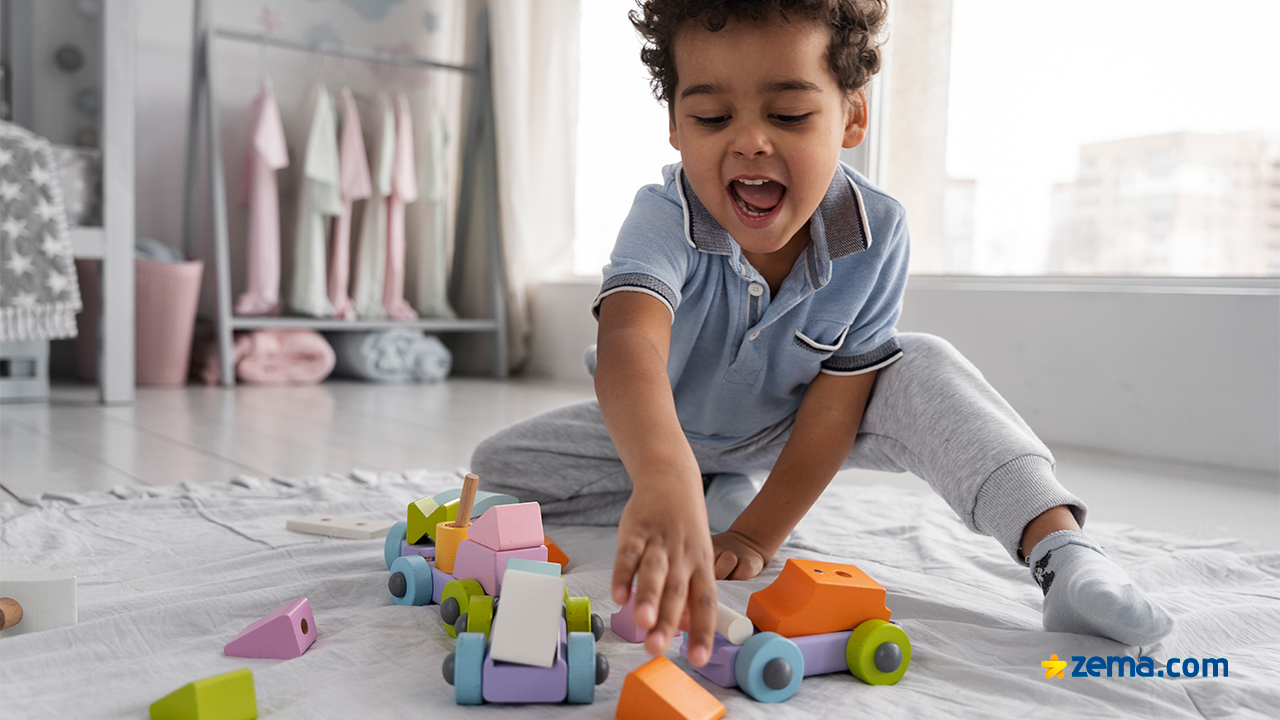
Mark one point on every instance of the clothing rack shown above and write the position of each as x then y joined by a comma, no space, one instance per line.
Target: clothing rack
479,155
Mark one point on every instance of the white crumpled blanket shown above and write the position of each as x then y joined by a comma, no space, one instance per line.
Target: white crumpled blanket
168,575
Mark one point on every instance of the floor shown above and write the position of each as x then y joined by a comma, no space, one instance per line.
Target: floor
197,433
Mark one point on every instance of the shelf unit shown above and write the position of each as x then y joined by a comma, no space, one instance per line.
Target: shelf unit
112,242
479,161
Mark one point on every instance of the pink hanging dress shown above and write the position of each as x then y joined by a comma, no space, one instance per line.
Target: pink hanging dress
404,190
354,184
265,153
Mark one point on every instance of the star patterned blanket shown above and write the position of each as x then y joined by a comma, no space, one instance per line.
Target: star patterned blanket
39,296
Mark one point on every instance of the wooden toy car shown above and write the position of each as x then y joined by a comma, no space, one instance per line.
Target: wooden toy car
508,533
515,656
526,654
477,678
816,618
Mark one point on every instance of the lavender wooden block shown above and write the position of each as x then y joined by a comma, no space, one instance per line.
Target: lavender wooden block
282,635
624,626
824,653
719,669
427,551
514,683
439,579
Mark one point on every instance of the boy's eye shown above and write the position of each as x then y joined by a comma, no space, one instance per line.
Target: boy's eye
791,119
711,121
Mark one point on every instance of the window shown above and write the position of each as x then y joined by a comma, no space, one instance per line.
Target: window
1089,137
1096,137
622,130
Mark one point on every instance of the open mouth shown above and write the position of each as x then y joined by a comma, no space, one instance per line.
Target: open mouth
756,198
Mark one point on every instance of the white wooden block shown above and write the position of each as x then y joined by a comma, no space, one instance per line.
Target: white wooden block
527,627
733,625
338,526
48,599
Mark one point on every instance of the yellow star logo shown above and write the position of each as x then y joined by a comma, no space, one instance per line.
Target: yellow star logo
1053,666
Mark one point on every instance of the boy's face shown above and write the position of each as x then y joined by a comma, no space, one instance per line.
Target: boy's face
759,122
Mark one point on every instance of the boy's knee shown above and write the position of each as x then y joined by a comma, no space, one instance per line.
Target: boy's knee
925,345
932,351
486,459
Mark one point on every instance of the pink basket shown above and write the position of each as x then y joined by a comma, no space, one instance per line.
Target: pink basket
166,297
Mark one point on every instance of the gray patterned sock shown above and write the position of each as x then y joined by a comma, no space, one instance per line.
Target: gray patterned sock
1086,593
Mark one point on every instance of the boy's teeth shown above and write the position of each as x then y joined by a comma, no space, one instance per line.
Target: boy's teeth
751,182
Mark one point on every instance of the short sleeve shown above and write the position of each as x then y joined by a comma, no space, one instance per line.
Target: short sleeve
872,339
651,255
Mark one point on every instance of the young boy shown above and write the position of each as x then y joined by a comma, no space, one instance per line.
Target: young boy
746,324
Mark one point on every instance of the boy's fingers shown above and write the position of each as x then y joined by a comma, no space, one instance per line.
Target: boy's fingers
748,567
650,581
625,564
673,597
702,618
684,620
725,563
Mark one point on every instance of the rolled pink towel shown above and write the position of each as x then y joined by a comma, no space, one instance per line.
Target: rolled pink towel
273,357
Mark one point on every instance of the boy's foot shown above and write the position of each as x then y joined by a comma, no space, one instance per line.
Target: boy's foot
728,494
1086,593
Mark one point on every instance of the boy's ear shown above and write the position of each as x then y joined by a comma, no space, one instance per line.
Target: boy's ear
856,118
673,138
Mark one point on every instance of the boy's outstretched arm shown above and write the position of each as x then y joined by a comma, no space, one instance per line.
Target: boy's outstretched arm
664,544
826,426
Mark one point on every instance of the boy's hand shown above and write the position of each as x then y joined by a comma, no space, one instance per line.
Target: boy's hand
738,557
664,543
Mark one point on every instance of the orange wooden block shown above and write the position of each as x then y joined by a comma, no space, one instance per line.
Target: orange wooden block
555,554
658,690
448,538
811,597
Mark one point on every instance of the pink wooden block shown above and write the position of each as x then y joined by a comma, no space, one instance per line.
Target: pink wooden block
508,527
487,565
622,624
283,635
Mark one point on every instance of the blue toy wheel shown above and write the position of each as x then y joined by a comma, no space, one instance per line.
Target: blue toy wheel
468,669
391,547
769,667
417,580
582,668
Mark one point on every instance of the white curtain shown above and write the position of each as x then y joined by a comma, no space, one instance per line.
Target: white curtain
534,55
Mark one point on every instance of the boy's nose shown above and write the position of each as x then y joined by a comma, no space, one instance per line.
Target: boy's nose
751,141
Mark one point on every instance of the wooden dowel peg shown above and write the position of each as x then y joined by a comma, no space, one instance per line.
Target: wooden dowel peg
10,613
470,484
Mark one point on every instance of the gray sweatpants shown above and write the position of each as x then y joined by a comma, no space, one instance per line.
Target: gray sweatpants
930,413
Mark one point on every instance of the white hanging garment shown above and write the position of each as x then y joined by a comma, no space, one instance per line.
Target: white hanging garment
319,200
371,254
432,276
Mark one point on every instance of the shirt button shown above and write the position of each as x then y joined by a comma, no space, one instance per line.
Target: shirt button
755,335
755,290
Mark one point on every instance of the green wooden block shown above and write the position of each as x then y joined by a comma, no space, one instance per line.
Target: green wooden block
228,696
425,513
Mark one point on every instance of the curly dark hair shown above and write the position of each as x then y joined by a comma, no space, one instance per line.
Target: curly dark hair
853,53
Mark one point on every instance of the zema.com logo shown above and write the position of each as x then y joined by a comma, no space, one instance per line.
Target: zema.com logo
1125,666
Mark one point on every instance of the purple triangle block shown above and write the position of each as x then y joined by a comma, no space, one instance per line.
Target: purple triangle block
284,634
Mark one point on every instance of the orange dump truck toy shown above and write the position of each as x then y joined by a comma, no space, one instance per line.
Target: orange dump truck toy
816,618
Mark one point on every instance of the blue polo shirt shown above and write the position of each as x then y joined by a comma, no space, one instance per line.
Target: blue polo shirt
741,360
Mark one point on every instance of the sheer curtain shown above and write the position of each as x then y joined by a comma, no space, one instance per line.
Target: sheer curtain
534,54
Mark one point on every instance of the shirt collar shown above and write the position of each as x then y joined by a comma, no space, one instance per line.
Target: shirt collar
839,226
